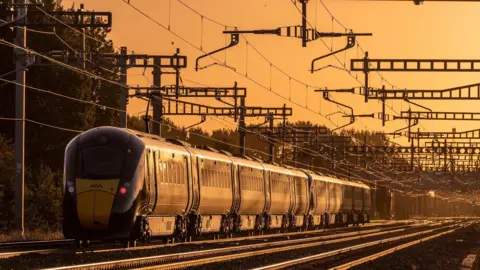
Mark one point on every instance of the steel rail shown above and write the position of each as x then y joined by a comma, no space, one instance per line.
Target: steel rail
254,237
345,250
155,261
36,243
391,250
27,244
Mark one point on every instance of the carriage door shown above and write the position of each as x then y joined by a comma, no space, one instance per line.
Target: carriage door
268,191
192,180
151,179
293,194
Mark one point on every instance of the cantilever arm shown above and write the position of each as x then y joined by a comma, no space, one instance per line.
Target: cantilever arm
352,120
235,39
415,122
352,116
326,96
350,44
405,98
204,118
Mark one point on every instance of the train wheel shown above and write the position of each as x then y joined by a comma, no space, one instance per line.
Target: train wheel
78,243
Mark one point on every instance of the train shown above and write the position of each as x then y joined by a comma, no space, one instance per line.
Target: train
127,185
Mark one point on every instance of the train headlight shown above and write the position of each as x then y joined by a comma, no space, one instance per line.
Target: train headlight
71,187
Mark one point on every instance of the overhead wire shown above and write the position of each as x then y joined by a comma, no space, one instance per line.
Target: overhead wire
193,45
247,41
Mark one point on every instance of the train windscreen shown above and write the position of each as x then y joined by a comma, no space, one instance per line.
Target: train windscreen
100,162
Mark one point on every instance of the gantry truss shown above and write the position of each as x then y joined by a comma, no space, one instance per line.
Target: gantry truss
461,116
464,135
415,65
195,92
179,107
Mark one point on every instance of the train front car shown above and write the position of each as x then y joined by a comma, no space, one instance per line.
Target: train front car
103,178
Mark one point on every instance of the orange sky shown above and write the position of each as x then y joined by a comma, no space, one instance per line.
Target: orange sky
400,30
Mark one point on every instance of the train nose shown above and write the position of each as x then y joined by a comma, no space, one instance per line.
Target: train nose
94,202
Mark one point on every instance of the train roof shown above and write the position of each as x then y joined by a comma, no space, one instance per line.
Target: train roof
247,163
275,168
319,177
154,141
214,154
211,154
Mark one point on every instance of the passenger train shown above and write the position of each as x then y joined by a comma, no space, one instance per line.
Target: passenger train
123,184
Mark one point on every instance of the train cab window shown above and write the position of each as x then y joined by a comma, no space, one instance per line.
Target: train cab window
100,162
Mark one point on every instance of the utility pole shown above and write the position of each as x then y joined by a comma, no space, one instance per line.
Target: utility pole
271,144
20,20
20,40
123,91
284,127
304,23
157,107
366,71
241,126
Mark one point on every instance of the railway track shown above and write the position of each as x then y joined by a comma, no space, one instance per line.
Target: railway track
12,249
239,252
347,257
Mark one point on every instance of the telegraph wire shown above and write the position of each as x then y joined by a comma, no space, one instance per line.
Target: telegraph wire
61,95
75,69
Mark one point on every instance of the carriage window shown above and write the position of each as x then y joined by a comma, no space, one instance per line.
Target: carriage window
173,172
180,173
209,178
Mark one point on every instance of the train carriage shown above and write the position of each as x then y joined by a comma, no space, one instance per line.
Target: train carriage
253,195
281,197
124,184
318,200
217,189
300,187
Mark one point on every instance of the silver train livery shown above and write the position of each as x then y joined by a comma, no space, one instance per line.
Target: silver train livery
124,184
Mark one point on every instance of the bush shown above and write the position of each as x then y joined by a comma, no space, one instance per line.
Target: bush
43,194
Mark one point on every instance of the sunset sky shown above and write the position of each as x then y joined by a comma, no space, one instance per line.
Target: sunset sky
442,30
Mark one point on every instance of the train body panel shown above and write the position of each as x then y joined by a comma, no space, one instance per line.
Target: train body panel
319,193
216,181
300,188
280,194
334,196
251,182
166,178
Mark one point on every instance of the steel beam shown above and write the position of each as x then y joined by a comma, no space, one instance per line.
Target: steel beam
462,116
467,135
186,91
77,19
467,92
148,61
179,107
415,65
